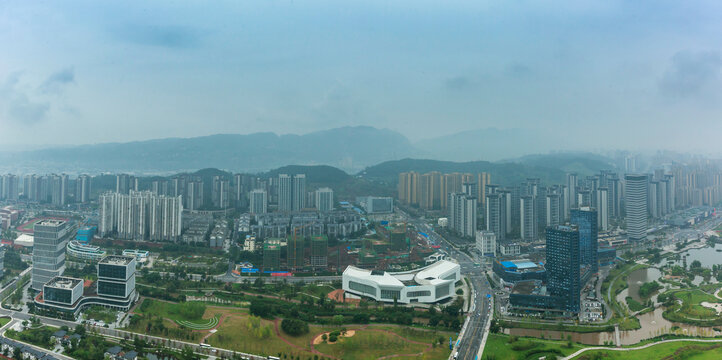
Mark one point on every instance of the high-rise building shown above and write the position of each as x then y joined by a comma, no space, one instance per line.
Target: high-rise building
116,277
299,192
554,211
572,190
140,215
291,192
51,238
409,187
259,201
324,199
9,187
194,199
124,183
430,191
82,189
635,203
563,266
59,189
496,214
462,214
585,219
528,218
166,214
486,242
603,208
221,192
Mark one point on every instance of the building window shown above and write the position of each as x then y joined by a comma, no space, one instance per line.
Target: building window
442,291
390,294
413,294
363,288
451,276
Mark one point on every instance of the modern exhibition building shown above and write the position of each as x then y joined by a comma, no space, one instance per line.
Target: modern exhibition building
425,285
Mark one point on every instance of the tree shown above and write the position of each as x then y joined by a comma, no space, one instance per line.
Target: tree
294,327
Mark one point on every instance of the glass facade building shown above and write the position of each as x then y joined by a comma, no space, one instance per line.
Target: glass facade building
51,238
563,266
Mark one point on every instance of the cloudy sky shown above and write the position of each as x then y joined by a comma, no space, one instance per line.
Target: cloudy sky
627,74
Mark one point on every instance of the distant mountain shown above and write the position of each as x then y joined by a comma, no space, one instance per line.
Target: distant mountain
504,173
492,144
348,148
317,174
581,163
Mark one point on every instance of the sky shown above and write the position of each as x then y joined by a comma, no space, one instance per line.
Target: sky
609,74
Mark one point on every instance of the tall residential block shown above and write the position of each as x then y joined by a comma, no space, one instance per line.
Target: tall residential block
324,199
258,201
462,214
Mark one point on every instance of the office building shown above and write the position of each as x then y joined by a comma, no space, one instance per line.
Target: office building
563,266
51,238
572,190
63,291
258,201
116,277
585,219
603,208
324,199
462,214
635,202
376,204
486,242
82,189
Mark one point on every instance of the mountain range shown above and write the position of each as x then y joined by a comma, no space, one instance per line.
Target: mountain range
351,149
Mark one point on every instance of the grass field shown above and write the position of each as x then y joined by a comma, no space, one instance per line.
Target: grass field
677,350
199,325
4,321
504,347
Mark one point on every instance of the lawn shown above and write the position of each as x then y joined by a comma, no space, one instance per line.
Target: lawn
4,321
100,313
500,347
691,311
187,311
258,337
676,350
372,344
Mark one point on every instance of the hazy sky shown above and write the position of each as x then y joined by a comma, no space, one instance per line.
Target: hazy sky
616,73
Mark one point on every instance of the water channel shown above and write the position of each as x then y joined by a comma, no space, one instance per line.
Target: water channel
652,323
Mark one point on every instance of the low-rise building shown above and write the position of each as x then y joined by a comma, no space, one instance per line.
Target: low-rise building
425,285
82,251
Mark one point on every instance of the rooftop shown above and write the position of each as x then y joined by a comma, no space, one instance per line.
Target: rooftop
50,222
117,260
62,282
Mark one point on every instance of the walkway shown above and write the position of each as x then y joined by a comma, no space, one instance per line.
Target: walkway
572,356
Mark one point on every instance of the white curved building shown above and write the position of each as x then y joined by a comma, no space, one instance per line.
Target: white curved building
425,285
79,250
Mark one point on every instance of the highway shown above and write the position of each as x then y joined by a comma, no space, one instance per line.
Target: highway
479,309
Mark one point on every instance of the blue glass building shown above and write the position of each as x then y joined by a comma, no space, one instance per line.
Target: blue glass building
563,266
585,219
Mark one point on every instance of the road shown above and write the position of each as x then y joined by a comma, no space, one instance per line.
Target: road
479,310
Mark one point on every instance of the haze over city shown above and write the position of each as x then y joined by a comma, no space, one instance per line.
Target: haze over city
360,180
83,72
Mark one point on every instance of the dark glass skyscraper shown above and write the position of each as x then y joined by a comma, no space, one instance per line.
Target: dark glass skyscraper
585,219
563,266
